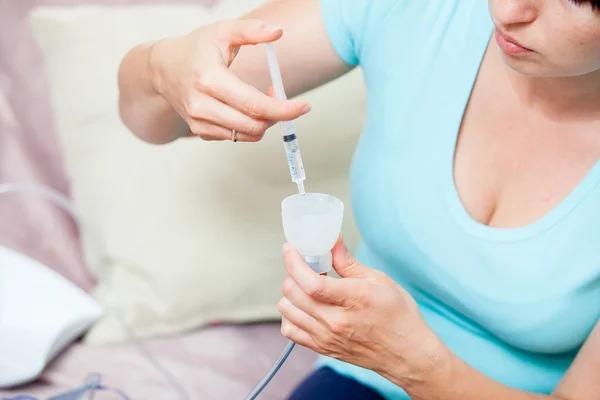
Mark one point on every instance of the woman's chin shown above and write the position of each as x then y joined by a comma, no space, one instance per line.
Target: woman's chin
528,67
537,68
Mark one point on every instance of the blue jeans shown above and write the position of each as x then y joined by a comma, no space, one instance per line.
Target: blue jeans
326,384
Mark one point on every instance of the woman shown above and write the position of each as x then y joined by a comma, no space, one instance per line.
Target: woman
475,185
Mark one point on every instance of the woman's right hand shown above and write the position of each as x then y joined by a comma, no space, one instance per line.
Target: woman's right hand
193,74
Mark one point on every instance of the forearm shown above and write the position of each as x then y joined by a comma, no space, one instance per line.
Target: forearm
437,373
143,110
450,378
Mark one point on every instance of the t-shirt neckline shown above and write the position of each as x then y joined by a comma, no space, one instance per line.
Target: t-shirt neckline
475,228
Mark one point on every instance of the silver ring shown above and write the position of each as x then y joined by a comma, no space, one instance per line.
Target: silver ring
234,135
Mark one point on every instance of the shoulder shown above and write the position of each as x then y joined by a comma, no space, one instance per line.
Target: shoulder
350,22
357,27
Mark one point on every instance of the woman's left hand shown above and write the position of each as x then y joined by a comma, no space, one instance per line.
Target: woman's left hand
364,318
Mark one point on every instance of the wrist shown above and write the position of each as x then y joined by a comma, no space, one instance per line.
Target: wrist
421,360
155,64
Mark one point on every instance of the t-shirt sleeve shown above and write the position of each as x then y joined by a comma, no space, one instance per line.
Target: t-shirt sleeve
345,22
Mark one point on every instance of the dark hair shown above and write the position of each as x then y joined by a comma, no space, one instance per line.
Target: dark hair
595,3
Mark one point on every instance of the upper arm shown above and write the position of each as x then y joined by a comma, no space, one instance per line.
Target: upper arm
582,380
318,43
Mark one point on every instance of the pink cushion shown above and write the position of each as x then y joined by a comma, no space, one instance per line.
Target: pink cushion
29,151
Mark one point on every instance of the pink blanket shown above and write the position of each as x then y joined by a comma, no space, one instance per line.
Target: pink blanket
217,363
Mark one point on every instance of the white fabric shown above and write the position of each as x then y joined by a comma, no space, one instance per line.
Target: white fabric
41,313
193,229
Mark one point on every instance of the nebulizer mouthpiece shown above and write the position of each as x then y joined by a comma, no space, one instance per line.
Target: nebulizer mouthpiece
312,224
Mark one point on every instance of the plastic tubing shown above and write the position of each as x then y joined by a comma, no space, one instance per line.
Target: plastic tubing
271,373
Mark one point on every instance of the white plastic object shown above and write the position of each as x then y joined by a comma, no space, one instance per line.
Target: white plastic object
288,128
41,313
312,224
275,72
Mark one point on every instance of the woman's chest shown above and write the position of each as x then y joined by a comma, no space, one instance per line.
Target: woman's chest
536,286
514,163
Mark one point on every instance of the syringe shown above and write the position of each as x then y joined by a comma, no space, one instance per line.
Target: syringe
288,128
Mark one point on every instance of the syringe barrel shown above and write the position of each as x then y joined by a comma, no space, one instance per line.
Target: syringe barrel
287,128
294,157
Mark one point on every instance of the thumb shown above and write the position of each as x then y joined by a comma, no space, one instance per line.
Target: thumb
233,34
344,263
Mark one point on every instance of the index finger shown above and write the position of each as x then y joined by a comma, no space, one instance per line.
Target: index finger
231,90
320,287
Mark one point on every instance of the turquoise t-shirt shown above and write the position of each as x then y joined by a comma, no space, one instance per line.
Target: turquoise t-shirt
516,304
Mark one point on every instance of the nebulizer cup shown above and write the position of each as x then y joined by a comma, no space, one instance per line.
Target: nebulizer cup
312,224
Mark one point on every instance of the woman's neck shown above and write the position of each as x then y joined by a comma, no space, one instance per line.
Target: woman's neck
574,99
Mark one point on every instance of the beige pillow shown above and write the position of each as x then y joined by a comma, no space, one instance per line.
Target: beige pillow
192,229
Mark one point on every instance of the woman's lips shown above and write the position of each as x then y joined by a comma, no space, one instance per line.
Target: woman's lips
509,45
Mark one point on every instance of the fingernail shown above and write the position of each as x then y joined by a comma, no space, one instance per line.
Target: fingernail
306,109
286,247
272,28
